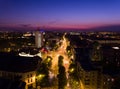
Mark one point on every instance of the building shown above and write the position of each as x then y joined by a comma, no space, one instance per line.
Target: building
109,41
38,39
11,84
91,76
20,68
96,54
91,72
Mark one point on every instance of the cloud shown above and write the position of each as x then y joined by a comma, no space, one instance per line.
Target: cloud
25,25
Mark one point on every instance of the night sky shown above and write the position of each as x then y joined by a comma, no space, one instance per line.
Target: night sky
59,13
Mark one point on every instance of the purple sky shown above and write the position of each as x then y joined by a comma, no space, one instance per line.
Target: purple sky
59,13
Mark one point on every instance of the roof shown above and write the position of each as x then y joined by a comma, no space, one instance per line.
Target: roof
83,57
13,63
86,66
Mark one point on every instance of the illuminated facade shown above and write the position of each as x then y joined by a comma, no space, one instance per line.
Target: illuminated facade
91,79
27,77
95,79
108,41
38,39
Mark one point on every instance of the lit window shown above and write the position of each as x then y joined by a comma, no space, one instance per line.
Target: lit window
31,75
112,80
108,79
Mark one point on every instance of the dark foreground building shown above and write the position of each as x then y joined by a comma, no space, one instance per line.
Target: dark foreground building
19,70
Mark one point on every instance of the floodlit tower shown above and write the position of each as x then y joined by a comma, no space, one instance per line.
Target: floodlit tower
38,39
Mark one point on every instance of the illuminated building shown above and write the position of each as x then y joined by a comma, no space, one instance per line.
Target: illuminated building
95,79
113,41
91,72
38,39
91,76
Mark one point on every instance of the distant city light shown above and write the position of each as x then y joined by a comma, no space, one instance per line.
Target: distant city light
115,47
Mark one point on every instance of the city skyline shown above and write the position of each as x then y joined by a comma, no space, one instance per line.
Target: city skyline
62,14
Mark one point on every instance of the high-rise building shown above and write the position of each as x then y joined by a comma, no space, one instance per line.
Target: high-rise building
38,39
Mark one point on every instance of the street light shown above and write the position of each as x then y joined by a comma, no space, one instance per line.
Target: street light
71,70
40,76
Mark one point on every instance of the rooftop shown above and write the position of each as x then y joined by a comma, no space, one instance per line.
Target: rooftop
14,63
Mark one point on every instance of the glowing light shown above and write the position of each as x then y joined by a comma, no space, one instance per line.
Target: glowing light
51,74
61,51
116,48
40,76
82,85
66,62
26,55
39,54
71,70
112,80
49,59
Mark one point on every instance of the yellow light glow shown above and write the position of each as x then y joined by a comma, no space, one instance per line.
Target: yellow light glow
115,47
41,76
48,59
71,70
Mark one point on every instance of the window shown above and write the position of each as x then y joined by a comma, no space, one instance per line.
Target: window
31,75
28,81
86,83
28,76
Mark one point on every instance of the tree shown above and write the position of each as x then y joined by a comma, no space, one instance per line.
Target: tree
62,79
43,75
48,61
60,60
74,79
68,50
